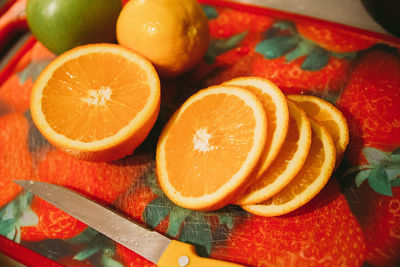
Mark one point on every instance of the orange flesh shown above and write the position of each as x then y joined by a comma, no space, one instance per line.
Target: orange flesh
98,102
270,110
208,143
314,111
306,176
287,151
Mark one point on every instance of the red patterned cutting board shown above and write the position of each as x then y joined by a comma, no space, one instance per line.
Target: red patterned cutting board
355,220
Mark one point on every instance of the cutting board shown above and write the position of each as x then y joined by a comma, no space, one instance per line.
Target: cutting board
353,221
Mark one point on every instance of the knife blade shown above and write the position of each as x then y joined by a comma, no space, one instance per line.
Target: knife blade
151,245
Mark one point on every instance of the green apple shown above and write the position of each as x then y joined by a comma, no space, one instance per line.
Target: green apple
63,24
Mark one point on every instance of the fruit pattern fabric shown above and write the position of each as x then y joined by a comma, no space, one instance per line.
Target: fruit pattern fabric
354,221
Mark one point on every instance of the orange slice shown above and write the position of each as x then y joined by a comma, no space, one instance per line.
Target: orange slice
210,147
308,182
274,103
97,102
288,162
330,116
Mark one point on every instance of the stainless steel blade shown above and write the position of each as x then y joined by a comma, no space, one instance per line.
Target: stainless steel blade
147,243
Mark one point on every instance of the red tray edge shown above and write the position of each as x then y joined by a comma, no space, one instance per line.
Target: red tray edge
31,258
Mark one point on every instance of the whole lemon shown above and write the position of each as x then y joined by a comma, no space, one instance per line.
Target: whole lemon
172,34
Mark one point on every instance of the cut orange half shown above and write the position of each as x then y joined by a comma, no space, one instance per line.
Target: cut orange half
274,103
330,116
288,162
308,182
97,102
210,147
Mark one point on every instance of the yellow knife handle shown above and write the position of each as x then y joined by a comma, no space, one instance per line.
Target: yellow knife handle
184,255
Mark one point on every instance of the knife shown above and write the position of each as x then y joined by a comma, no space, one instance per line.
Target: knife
151,245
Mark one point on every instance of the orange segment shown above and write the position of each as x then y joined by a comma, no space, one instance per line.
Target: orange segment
96,102
288,162
308,182
331,117
274,103
210,147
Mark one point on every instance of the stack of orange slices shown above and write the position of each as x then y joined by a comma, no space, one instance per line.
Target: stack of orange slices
244,142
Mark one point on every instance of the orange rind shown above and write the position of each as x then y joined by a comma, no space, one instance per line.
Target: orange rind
210,147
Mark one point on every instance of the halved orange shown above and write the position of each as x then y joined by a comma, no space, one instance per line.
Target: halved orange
274,103
288,162
330,116
96,102
312,177
211,146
